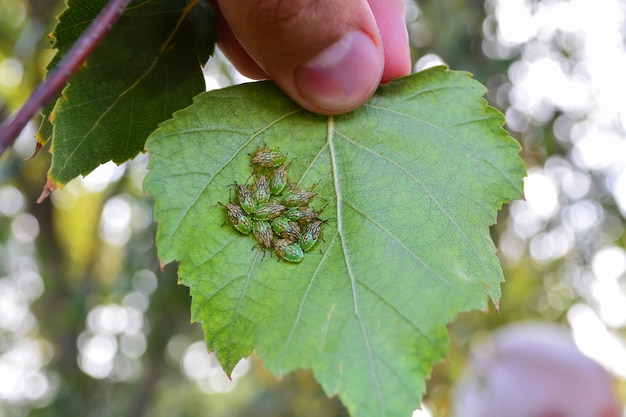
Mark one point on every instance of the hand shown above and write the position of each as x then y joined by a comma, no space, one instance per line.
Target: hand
327,55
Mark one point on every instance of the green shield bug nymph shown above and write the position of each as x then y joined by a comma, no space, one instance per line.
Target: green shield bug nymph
278,179
261,190
268,211
273,210
263,232
268,157
246,199
302,214
297,198
311,234
286,229
238,218
288,251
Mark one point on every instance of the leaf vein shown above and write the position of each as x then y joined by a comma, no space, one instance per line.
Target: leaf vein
309,166
107,111
340,231
453,138
304,297
428,192
435,89
398,313
397,240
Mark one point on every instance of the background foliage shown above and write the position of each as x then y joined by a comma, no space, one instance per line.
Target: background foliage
87,316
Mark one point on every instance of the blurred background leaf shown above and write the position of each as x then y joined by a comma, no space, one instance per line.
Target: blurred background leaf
146,68
106,332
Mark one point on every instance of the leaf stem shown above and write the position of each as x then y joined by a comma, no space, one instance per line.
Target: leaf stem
57,79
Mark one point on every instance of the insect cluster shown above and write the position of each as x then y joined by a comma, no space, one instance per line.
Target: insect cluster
276,212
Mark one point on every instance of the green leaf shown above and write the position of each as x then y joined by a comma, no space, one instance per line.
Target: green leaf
412,181
72,22
203,20
136,78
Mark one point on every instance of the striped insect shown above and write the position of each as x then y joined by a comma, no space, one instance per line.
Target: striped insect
268,211
290,252
246,198
286,229
310,236
278,179
267,157
263,233
261,190
303,214
238,218
297,198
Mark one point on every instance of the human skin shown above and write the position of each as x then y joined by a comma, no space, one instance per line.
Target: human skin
327,55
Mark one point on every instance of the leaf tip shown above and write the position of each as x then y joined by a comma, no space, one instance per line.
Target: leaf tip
48,189
38,147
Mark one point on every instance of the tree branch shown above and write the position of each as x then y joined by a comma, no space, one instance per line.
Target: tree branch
57,79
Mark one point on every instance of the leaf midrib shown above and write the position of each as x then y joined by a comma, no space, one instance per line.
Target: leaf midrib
353,283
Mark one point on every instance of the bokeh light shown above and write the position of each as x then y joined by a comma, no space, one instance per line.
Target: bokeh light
569,60
204,368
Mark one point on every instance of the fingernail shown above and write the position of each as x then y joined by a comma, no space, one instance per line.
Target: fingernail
343,74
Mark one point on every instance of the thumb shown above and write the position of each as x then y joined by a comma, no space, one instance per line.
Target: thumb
326,55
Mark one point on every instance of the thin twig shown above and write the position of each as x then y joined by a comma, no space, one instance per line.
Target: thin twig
57,79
